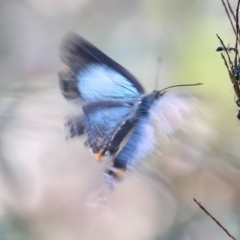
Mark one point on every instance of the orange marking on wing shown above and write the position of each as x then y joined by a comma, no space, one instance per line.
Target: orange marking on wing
99,156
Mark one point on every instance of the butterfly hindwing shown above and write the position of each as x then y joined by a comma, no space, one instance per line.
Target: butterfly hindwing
103,122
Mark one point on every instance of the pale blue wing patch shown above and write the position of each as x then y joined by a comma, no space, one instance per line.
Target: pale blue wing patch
99,82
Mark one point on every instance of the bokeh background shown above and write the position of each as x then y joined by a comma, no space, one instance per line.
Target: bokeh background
46,182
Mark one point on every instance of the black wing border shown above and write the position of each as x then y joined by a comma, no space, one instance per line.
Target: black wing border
86,53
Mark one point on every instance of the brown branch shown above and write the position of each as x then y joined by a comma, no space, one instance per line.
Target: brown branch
236,88
226,65
214,219
226,50
229,17
230,9
237,35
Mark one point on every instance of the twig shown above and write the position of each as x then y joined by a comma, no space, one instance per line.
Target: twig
229,17
230,9
237,34
226,65
236,88
233,69
226,50
214,219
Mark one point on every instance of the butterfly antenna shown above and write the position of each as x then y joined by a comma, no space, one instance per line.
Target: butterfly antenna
182,85
158,68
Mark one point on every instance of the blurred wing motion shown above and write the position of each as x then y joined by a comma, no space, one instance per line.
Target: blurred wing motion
106,91
118,117
172,111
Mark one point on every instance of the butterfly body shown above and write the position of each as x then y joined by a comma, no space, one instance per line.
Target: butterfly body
117,114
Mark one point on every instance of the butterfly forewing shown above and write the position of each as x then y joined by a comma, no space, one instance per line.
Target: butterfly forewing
106,91
94,75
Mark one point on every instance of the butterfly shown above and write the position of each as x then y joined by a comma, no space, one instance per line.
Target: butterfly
118,116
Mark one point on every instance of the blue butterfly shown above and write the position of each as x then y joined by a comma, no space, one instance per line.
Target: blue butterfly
118,117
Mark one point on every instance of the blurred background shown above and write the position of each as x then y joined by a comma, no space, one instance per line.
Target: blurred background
46,182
